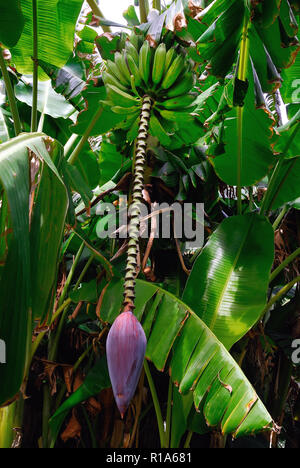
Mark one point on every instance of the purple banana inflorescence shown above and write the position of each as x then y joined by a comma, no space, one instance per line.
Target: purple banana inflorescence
125,348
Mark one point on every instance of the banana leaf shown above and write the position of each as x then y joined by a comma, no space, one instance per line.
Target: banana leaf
198,362
228,285
245,159
11,22
56,21
287,186
30,239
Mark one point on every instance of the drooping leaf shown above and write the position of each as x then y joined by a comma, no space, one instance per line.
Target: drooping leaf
288,19
269,77
198,358
282,48
69,81
287,141
218,42
228,285
224,26
287,186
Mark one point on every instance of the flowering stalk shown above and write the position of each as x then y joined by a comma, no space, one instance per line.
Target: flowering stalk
134,224
126,341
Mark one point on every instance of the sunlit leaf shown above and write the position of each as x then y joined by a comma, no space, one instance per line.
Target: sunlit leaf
56,28
49,101
228,285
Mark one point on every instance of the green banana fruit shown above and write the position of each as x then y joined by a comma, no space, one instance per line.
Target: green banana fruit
145,62
159,63
173,72
114,70
182,85
179,102
124,110
169,58
121,98
110,79
132,52
133,69
136,40
122,67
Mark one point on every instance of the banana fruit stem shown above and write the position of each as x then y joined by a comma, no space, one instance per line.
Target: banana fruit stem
137,195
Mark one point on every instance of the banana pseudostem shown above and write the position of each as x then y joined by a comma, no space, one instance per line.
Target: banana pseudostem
137,196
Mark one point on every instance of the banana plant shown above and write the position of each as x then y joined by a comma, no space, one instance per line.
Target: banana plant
143,84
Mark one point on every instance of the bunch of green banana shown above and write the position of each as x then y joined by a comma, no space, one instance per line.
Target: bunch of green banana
164,74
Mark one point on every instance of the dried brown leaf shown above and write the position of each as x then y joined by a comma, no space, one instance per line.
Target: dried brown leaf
179,22
73,429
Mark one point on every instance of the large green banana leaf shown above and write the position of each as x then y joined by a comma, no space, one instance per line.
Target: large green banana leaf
245,160
47,227
228,285
56,21
197,360
11,22
29,242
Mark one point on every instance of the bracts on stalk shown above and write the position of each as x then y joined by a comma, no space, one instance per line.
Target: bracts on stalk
126,341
